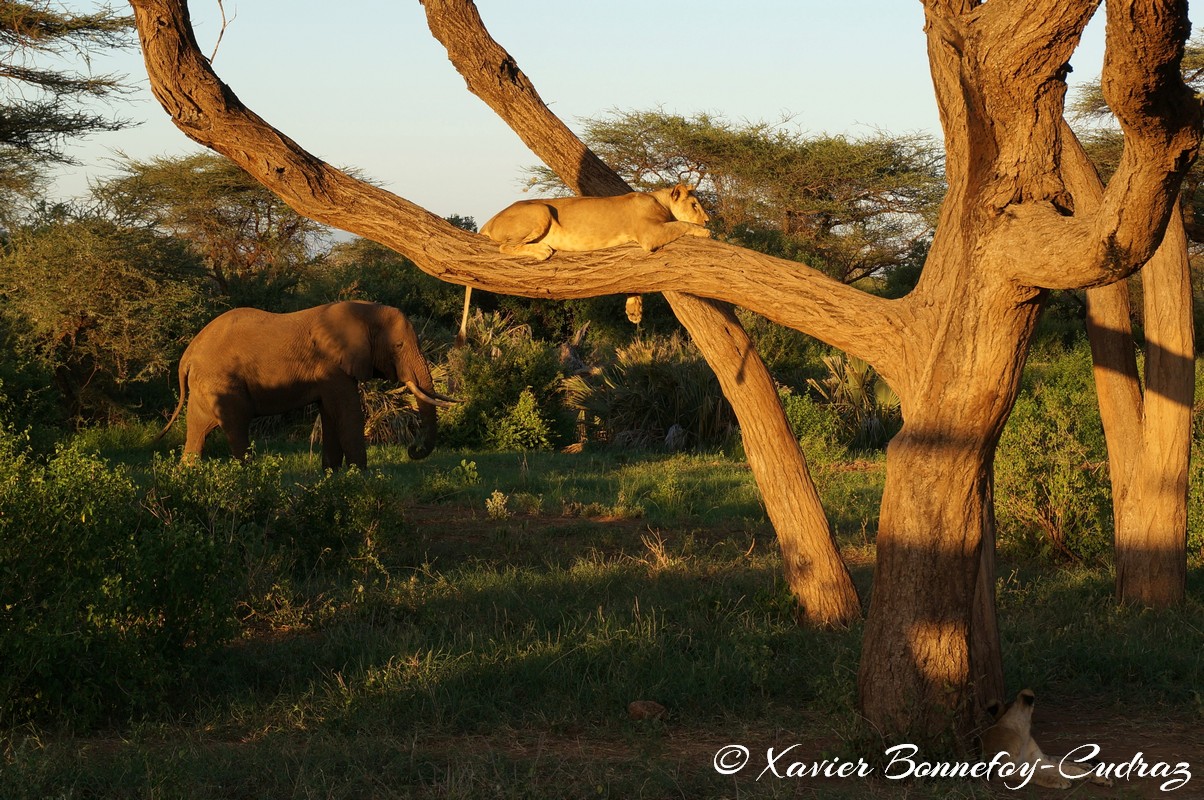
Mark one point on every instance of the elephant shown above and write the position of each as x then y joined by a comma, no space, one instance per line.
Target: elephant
250,363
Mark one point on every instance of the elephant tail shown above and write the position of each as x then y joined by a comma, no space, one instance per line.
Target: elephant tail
184,363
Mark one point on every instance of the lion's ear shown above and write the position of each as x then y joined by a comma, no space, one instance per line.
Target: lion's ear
678,192
996,710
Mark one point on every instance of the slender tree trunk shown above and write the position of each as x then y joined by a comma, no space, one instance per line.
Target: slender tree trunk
1151,535
1148,434
814,571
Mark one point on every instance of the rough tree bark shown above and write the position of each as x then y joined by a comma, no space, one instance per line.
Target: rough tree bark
1010,227
1148,432
952,349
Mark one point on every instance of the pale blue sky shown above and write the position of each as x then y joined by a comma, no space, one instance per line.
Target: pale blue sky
362,83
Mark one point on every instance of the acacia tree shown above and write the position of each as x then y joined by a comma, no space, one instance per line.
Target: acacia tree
953,348
42,108
253,246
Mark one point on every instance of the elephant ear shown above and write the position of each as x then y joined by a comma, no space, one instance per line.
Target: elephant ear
344,341
357,361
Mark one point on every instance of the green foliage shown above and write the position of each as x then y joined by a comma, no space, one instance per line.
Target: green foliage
102,608
817,426
253,247
1195,493
27,401
100,307
364,270
223,496
850,207
443,484
868,408
43,108
1052,493
521,427
790,356
652,386
500,362
117,586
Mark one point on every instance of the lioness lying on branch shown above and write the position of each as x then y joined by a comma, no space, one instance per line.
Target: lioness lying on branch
539,228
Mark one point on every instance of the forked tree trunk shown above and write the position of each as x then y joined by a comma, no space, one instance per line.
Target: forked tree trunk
952,349
1148,433
931,659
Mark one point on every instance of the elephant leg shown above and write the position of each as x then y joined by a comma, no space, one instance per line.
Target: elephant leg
200,425
332,448
352,435
342,405
234,415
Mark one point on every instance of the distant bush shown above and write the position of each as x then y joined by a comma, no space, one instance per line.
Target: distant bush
652,386
868,409
522,427
1051,479
817,427
490,374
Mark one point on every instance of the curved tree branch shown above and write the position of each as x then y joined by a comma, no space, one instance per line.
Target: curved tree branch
208,112
1018,53
1161,120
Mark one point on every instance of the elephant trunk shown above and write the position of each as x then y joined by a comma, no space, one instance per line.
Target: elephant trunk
417,377
428,433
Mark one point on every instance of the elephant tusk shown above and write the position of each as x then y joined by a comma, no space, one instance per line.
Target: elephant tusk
432,397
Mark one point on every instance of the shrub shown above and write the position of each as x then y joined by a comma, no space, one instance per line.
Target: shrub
522,427
441,484
225,497
1051,465
102,605
112,592
500,362
816,426
652,386
868,409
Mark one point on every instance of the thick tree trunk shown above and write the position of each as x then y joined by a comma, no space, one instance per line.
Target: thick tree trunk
931,655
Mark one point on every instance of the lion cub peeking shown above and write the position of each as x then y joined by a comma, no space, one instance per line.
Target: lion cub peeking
1012,734
539,228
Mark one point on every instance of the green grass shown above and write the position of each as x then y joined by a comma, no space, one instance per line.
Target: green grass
451,654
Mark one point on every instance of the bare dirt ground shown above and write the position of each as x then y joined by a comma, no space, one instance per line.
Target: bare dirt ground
1147,740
